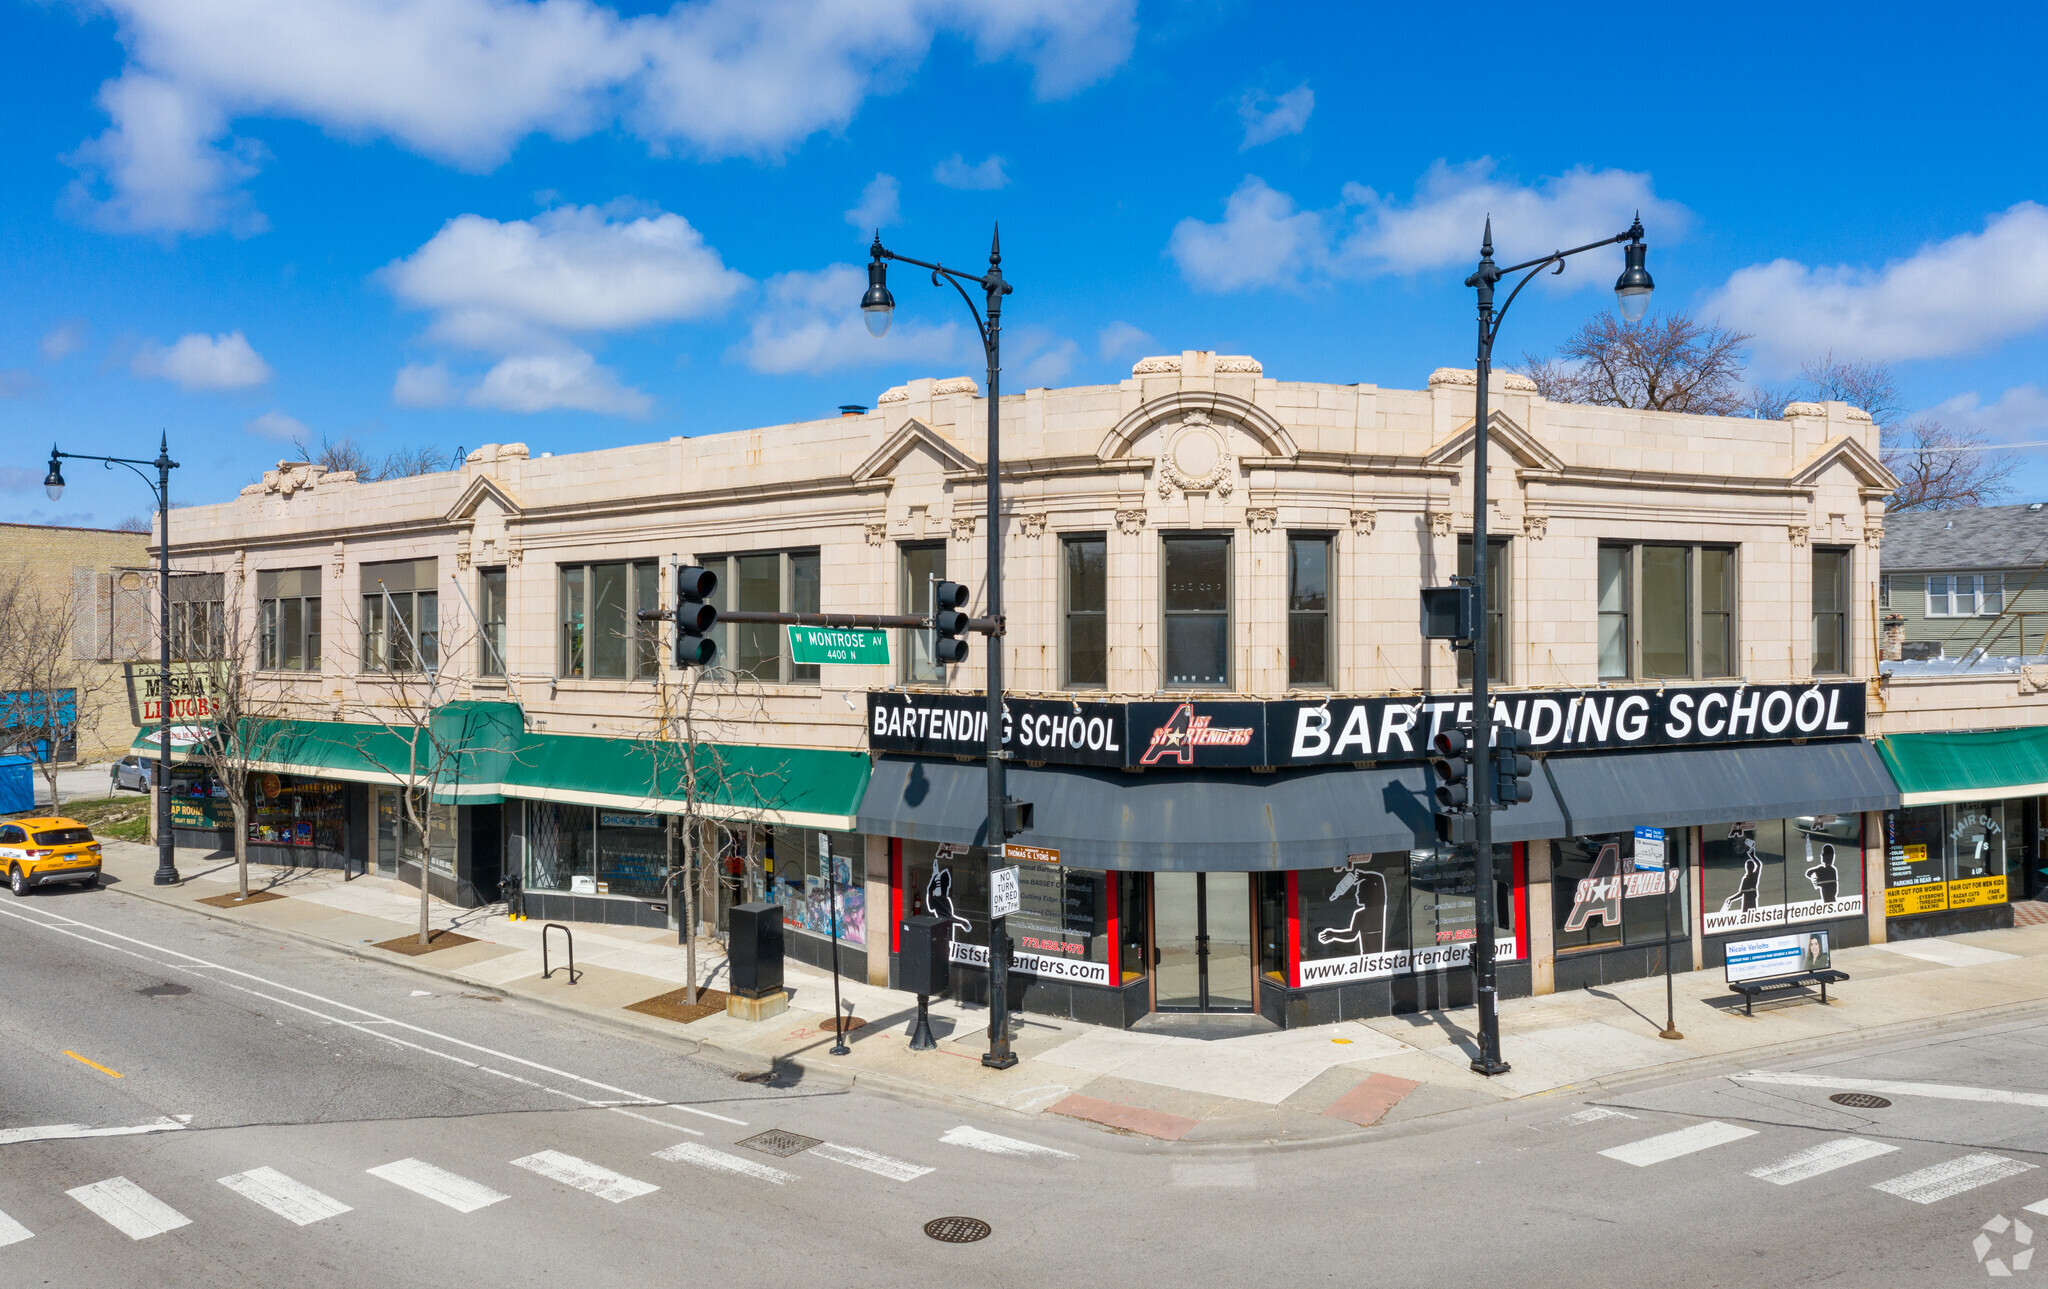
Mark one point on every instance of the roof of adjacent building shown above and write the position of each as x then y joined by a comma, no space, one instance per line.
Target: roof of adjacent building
1990,537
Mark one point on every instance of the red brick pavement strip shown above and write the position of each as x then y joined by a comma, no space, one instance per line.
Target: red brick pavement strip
2029,912
1151,1123
1366,1103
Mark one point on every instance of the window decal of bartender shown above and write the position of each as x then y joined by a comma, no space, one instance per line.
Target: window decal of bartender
1599,893
1361,926
938,892
1752,869
1826,878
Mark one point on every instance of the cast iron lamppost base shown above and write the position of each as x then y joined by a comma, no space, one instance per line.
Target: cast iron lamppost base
1632,290
53,487
877,305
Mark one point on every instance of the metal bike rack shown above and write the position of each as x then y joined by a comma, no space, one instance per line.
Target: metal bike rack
545,969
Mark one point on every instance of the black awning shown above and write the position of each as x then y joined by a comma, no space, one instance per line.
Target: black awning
1183,820
1603,794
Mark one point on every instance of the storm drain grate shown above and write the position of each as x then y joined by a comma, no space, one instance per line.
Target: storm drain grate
957,1230
780,1143
1860,1100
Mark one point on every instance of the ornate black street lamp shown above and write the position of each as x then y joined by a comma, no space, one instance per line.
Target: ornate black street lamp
1632,293
877,306
53,486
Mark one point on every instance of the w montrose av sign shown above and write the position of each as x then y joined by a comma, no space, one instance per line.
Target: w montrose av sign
1298,732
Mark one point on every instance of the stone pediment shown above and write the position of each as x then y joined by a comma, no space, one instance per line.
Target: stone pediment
1856,458
914,436
480,489
1501,432
1210,407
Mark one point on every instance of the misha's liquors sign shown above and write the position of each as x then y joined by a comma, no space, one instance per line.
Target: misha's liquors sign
1198,733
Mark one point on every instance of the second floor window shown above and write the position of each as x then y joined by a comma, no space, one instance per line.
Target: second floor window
1830,612
1965,595
1196,610
1084,645
1497,600
490,607
401,616
602,637
1309,643
767,582
921,565
287,619
1666,612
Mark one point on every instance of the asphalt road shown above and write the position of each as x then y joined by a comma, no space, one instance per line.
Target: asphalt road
298,1117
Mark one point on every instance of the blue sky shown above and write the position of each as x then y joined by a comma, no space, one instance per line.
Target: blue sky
575,224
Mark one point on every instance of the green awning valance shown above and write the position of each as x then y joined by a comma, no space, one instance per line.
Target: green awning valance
803,787
1967,765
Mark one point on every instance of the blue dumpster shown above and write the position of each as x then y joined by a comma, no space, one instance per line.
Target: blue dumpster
17,785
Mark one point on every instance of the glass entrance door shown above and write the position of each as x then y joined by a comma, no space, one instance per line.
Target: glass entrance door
1202,931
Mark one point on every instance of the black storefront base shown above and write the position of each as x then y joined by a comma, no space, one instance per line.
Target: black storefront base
1843,933
1292,1008
612,910
1985,917
1585,968
1118,1005
816,951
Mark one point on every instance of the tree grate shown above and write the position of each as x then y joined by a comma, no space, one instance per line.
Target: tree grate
1860,1101
957,1230
781,1143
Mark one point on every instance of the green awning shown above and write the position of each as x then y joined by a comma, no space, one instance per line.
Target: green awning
801,787
1971,765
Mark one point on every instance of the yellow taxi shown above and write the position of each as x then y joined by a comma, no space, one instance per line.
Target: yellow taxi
47,851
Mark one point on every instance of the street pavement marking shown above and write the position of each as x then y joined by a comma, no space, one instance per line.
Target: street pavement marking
1896,1088
13,1232
1952,1178
896,1170
690,1152
66,1131
50,921
438,1184
584,1175
293,1201
989,1143
129,1209
1594,1115
2041,1207
112,1074
1670,1145
1824,1158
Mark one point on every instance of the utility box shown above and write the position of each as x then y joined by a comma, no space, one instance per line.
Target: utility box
924,964
17,785
753,954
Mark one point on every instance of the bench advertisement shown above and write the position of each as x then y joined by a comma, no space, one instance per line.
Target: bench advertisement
1777,956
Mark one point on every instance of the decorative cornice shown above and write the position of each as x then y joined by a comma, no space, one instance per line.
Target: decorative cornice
1469,378
1237,364
297,476
1161,366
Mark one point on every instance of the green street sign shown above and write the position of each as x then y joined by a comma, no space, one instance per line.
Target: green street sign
840,645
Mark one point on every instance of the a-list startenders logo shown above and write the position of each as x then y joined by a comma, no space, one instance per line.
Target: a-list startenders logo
1184,731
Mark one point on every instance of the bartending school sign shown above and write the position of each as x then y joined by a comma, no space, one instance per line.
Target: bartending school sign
1301,732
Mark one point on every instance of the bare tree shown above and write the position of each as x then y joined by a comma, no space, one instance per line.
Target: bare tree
400,463
405,463
133,524
1939,468
49,692
1665,363
338,455
1865,385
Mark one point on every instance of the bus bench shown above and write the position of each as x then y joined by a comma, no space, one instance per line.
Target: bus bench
1751,988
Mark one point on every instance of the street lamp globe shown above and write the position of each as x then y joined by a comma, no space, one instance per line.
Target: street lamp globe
877,306
53,482
1632,289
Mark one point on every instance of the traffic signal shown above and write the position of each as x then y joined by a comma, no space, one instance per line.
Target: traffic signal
1453,765
694,616
1512,766
948,622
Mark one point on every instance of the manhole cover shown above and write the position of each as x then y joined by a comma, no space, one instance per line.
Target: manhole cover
1859,1100
957,1230
779,1143
164,991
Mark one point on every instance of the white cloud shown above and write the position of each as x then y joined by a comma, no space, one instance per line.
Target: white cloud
1120,338
276,425
423,385
544,382
879,206
985,176
1265,240
1955,296
199,361
1267,118
64,340
811,322
2019,413
463,81
1035,359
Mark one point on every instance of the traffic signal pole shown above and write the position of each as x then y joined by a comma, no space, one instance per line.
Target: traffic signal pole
1488,1060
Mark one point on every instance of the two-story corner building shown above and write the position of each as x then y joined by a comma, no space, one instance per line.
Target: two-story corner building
1219,695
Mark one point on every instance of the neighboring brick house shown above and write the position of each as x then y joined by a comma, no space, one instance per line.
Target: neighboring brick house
1956,580
112,623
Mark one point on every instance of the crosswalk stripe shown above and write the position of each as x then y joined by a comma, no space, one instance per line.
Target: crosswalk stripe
293,1201
129,1209
1670,1145
13,1232
690,1152
990,1144
438,1184
1952,1178
1824,1158
67,1131
896,1170
585,1176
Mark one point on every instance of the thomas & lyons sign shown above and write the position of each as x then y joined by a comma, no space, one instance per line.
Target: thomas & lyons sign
1298,732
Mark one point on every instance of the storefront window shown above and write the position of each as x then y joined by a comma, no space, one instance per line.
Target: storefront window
1772,871
1062,932
286,810
1441,912
559,853
804,888
198,800
1949,857
398,837
1270,889
632,854
1134,915
1603,893
1351,927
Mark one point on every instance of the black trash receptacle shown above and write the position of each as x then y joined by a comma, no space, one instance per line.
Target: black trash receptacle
753,955
923,965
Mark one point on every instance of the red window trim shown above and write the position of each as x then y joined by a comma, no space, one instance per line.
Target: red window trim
895,895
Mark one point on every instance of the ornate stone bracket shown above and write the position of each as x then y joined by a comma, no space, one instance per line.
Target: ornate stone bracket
1130,522
514,552
1032,525
1798,533
339,557
1364,521
1535,527
963,528
1261,518
1440,523
462,552
1873,535
875,533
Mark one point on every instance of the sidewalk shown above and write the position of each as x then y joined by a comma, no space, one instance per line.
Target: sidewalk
1279,1086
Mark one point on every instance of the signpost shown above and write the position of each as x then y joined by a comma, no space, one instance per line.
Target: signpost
1651,858
1005,896
839,1047
839,646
